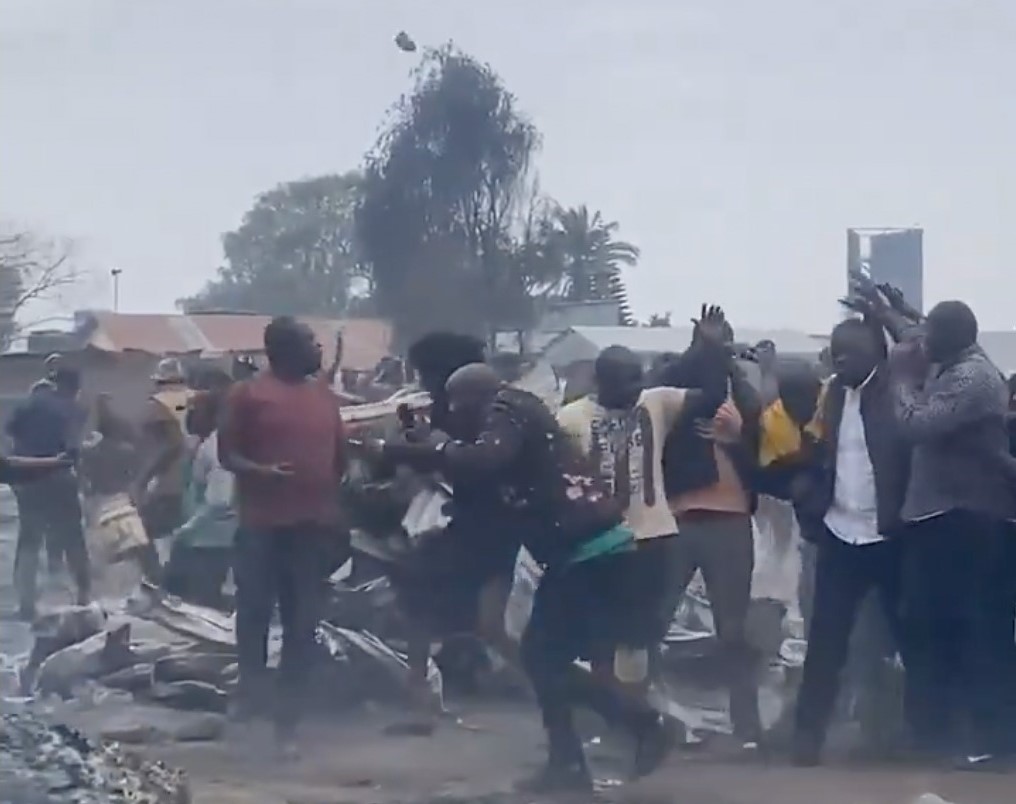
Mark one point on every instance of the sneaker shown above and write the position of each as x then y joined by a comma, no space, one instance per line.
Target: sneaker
755,749
555,778
983,763
652,745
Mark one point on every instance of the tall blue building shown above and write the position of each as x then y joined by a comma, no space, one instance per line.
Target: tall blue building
895,256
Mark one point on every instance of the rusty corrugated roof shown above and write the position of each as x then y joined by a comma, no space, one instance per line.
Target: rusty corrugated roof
367,340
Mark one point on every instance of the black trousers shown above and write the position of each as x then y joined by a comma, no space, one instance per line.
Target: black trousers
287,566
49,512
197,574
845,575
959,633
583,611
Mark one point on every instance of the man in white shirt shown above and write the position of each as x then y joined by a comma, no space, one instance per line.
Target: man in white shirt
855,486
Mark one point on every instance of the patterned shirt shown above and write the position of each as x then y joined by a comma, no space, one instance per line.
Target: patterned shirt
628,447
956,422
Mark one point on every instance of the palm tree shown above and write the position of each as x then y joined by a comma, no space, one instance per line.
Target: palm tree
592,259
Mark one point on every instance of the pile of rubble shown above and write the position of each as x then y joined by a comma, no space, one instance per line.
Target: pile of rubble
43,764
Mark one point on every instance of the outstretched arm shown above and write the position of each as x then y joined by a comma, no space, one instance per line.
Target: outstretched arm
496,447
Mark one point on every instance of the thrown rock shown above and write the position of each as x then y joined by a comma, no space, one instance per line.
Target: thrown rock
190,696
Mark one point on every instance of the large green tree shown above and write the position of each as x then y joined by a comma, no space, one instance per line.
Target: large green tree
442,223
592,258
294,252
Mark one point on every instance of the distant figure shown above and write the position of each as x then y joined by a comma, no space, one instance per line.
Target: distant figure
51,365
108,463
49,425
765,354
158,490
203,544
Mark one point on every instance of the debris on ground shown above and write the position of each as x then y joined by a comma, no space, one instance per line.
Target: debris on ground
52,764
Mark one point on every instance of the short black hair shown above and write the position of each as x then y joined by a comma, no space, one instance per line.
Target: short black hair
958,319
440,354
67,379
873,330
613,355
283,335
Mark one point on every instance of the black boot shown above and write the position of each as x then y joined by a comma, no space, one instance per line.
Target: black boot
566,769
653,742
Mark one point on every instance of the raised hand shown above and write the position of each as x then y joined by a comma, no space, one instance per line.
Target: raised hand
711,324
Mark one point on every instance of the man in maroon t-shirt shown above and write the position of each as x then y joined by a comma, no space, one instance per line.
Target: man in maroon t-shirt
282,437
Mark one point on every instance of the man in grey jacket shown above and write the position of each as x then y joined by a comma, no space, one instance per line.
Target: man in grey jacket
951,406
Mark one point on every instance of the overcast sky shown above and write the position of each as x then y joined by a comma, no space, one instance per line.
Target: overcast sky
734,140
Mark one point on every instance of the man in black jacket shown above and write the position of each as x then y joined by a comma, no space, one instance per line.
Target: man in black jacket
587,604
849,499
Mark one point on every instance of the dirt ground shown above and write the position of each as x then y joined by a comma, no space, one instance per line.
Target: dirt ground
353,761
474,759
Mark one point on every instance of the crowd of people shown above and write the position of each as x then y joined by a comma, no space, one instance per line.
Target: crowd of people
897,459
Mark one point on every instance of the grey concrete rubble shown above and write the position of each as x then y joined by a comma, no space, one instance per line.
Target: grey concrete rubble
51,764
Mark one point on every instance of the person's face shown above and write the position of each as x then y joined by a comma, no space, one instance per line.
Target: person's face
307,351
936,340
200,419
854,355
799,395
467,410
766,354
619,382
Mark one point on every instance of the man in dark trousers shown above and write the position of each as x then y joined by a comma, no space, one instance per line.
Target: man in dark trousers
951,405
588,600
709,465
49,425
849,495
282,436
